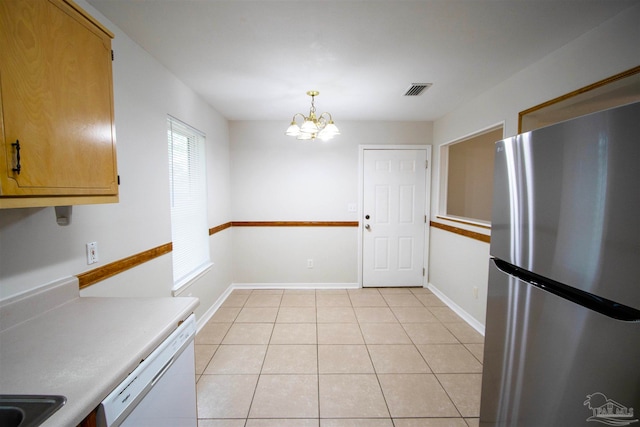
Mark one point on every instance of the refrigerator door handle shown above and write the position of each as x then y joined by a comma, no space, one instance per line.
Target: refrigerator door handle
593,302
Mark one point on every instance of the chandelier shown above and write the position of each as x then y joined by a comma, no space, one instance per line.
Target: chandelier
313,127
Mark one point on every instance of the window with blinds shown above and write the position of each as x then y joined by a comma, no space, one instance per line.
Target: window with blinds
187,176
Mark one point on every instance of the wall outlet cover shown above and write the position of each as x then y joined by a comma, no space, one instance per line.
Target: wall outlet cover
92,253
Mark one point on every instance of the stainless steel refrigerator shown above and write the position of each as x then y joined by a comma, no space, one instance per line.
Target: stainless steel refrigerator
562,343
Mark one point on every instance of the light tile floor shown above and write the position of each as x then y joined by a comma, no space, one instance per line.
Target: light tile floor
388,357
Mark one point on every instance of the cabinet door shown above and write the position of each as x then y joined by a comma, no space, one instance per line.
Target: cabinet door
57,101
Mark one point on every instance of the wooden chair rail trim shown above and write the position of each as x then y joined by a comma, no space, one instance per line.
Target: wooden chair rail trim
461,221
219,228
91,277
226,225
96,275
295,223
467,233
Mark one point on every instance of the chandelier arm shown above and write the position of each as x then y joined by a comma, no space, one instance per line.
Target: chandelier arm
322,119
293,119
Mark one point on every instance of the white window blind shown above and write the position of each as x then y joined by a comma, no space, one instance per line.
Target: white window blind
188,202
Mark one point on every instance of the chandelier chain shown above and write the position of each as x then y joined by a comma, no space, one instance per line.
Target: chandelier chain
313,105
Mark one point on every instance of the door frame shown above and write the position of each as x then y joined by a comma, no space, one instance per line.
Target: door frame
427,207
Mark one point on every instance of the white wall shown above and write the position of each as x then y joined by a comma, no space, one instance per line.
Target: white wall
606,50
34,250
278,178
273,178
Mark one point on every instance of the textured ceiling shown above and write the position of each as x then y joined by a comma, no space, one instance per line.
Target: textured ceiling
254,60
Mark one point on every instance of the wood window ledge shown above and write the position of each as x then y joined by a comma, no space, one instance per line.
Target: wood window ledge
461,231
464,221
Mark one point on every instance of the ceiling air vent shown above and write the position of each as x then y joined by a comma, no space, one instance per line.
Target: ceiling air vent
416,89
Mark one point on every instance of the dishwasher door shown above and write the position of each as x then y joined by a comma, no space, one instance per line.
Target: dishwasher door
171,402
161,391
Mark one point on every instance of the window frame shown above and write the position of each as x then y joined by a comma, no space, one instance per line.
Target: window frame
442,212
198,243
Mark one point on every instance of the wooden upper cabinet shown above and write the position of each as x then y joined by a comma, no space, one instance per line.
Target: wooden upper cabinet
56,93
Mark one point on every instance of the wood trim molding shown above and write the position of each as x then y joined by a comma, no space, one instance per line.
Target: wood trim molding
295,223
93,20
461,221
467,233
90,277
577,92
96,275
219,228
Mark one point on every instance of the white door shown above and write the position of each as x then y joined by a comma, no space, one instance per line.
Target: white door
394,217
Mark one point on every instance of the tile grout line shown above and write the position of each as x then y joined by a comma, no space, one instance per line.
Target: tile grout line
315,294
375,371
430,368
221,340
255,390
317,344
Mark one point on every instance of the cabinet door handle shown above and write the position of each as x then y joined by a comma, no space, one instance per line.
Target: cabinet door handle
18,167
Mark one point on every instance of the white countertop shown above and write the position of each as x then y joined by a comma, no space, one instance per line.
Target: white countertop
83,348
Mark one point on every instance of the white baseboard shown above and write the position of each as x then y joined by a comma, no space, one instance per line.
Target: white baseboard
295,285
212,310
458,310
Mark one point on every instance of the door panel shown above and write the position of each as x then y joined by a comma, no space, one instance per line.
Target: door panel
381,252
394,203
405,253
407,204
382,204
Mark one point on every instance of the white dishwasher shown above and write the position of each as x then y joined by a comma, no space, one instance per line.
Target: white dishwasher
161,391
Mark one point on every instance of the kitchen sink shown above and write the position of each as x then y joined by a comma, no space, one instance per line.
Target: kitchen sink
27,410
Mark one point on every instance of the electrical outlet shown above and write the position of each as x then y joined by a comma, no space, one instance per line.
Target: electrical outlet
309,263
92,253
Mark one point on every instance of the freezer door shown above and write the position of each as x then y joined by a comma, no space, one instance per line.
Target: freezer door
566,203
551,362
